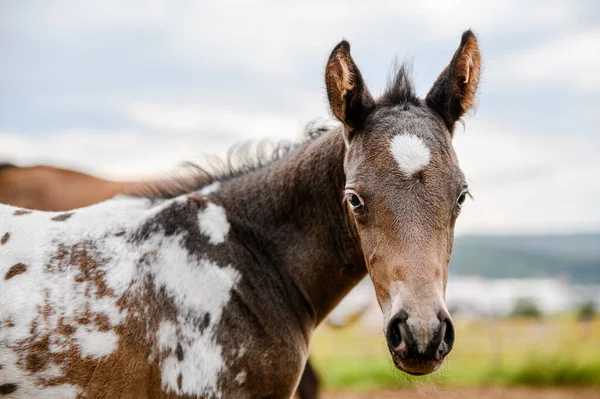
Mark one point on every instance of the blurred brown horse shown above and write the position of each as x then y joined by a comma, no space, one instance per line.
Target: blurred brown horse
47,188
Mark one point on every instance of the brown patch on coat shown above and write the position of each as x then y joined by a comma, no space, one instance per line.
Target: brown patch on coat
15,270
37,356
5,238
62,217
197,200
64,328
127,372
5,389
124,373
20,212
87,259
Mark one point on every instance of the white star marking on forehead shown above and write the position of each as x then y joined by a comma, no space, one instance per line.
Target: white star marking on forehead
410,152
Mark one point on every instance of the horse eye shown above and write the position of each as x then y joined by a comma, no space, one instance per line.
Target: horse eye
462,198
354,200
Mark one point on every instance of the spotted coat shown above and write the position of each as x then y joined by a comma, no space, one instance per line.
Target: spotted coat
121,298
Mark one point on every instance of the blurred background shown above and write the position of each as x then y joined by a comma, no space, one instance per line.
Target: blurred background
130,90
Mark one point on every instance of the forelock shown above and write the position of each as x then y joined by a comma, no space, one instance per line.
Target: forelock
400,89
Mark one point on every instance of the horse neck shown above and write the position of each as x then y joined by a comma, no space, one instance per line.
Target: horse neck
298,221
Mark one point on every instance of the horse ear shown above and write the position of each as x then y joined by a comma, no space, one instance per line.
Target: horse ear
453,93
349,98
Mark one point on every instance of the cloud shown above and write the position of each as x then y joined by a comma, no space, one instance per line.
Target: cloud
114,154
272,37
198,118
528,182
569,62
442,19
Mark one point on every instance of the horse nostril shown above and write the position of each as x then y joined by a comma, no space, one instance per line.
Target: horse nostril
394,335
442,349
446,336
449,337
398,336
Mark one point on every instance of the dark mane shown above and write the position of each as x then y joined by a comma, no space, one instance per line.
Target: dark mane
242,158
5,165
400,89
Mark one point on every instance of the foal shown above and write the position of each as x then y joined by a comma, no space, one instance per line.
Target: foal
216,292
48,188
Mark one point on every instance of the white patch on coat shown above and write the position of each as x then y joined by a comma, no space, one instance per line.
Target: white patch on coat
213,223
393,305
410,152
241,351
211,188
96,343
240,378
166,336
196,285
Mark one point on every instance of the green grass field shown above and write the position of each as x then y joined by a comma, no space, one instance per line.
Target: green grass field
555,351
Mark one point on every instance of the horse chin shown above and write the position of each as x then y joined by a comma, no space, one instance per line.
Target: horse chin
416,368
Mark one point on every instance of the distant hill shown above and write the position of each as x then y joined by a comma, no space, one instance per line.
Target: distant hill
575,256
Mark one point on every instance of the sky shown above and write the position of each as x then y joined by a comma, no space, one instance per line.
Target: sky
132,89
